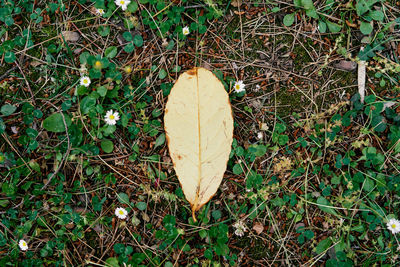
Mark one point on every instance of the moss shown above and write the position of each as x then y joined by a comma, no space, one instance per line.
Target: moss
289,102
255,248
301,56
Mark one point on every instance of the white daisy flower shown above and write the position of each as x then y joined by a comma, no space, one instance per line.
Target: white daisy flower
111,117
123,3
100,11
85,81
240,228
393,225
239,86
185,30
23,245
121,213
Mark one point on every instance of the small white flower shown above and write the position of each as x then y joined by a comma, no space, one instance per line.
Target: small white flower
23,245
257,88
185,30
260,135
393,225
239,86
111,117
121,213
100,11
85,81
240,228
122,3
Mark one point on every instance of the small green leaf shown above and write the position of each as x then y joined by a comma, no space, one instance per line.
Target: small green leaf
123,198
216,214
102,91
107,146
333,27
37,113
141,205
8,109
288,20
160,140
34,165
280,128
111,52
202,29
326,206
87,104
170,45
275,9
368,185
2,126
237,169
9,57
307,4
103,30
9,21
4,203
322,26
162,74
177,68
361,7
323,245
129,48
366,27
208,254
84,57
112,262
283,139
376,15
55,123
133,6
138,40
127,36
312,13
260,150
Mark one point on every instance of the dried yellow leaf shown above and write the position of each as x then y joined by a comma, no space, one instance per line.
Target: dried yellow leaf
199,129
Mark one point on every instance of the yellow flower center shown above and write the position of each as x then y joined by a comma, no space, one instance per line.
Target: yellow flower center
237,86
128,69
121,212
98,64
111,118
24,244
122,2
393,226
85,81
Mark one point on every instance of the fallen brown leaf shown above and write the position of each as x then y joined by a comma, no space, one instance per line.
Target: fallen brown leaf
258,227
70,36
236,3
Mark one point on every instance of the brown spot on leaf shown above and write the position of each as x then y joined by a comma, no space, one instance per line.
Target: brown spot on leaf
192,71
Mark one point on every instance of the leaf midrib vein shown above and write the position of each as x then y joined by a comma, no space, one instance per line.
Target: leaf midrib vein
198,128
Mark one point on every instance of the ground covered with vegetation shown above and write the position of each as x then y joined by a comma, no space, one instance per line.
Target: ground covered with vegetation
314,172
